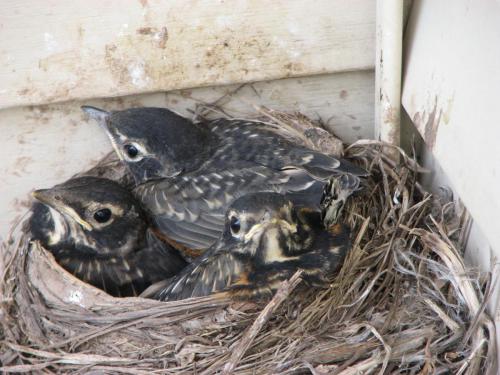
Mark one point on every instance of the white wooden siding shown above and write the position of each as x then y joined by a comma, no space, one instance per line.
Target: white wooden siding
60,50
450,91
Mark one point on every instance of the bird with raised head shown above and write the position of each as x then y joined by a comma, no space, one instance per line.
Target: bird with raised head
265,240
97,231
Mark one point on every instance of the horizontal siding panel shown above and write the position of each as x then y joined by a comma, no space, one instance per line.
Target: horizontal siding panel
52,51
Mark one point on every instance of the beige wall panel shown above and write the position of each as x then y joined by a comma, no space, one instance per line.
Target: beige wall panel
451,86
61,50
45,145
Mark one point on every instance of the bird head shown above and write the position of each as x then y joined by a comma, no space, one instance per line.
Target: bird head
153,142
266,226
95,215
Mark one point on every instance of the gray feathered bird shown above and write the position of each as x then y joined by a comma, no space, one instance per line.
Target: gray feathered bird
97,231
188,174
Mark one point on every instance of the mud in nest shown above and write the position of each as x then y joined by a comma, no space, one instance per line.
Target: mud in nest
403,302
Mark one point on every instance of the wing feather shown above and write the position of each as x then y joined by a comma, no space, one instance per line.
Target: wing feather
215,271
283,148
196,219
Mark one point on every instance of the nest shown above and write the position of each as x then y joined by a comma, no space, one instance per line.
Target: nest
403,302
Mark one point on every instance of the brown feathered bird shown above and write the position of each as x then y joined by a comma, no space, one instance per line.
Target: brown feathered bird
266,239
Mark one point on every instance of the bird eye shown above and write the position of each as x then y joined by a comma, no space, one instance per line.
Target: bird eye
235,225
131,151
102,216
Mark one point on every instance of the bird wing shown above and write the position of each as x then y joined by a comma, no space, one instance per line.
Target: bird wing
213,272
224,127
246,140
191,209
158,260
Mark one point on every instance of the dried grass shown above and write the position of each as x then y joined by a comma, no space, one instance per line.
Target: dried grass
404,302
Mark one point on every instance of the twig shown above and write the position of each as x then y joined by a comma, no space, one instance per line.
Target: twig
70,358
387,347
281,295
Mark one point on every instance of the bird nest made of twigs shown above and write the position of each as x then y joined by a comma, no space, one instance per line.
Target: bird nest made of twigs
403,302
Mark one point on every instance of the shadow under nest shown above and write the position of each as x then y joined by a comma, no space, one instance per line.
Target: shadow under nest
403,302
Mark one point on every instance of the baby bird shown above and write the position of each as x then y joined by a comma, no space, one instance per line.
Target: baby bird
189,173
266,239
97,231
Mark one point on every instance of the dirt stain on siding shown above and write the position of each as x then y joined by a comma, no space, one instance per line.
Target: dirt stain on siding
428,121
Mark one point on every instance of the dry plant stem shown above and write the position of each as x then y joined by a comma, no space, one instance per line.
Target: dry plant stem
448,255
75,359
281,295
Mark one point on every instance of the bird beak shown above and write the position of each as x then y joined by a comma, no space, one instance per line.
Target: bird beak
284,224
97,114
50,198
101,117
43,196
259,229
